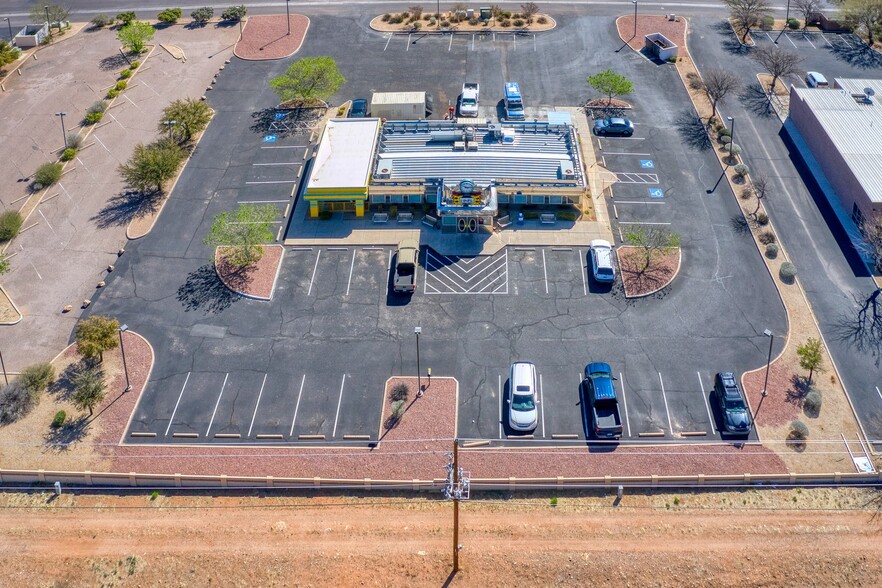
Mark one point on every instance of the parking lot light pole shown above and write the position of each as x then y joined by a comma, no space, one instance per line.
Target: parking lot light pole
48,22
731,120
63,131
169,124
123,329
417,331
9,24
786,18
288,15
635,17
771,337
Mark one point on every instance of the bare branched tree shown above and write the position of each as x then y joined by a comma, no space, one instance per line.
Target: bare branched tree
529,10
808,8
761,188
779,62
747,14
719,83
872,231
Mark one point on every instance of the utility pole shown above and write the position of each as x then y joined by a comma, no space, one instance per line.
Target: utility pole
455,507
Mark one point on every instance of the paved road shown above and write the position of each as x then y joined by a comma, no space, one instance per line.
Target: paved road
832,275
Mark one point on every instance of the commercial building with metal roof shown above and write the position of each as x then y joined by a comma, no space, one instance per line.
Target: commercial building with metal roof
835,128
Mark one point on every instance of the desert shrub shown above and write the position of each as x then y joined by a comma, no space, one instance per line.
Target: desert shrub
404,15
746,193
432,21
125,18
734,149
399,391
812,403
725,132
506,14
397,409
68,154
202,15
36,378
762,219
505,24
74,140
112,93
48,173
58,419
134,65
767,237
567,215
99,21
396,20
386,17
15,402
125,74
154,495
10,224
93,117
169,15
792,23
767,23
799,430
694,80
121,85
474,21
417,26
518,22
741,170
445,24
787,272
771,251
234,12
672,59
325,215
542,20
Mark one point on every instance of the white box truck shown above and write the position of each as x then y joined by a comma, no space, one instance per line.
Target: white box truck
398,105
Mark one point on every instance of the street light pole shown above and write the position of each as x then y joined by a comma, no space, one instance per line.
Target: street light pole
771,337
9,24
48,22
63,131
731,120
786,18
635,17
417,331
169,124
288,15
123,329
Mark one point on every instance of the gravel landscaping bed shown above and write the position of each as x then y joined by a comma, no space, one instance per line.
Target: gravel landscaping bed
255,281
662,270
674,31
266,37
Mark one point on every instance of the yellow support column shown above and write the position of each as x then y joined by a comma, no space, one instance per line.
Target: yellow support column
359,208
313,209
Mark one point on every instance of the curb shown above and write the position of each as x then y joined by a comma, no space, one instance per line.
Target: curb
299,46
450,31
14,307
255,296
660,288
141,392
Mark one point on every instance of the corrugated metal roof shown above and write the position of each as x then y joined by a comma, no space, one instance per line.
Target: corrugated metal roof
398,97
852,126
559,118
345,154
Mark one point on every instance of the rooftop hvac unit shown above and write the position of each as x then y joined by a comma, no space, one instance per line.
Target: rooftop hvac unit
445,136
567,170
469,133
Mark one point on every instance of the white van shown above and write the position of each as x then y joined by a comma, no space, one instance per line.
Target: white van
816,80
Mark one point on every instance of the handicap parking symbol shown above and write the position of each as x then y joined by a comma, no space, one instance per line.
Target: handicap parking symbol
280,115
656,193
646,164
269,138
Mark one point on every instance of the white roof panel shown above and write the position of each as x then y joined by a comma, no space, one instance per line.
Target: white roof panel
345,153
398,98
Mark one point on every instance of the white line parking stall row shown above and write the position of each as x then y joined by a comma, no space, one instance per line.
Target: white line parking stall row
338,271
459,41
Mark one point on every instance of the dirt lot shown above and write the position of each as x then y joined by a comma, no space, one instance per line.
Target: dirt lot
818,537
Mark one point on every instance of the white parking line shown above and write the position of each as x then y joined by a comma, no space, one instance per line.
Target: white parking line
253,416
770,37
286,147
450,45
339,402
297,406
542,405
665,398
407,47
273,182
583,269
47,222
621,222
499,391
879,392
216,404
545,271
625,402
388,40
710,419
351,267
261,201
806,37
282,163
35,270
639,202
176,404
791,41
314,269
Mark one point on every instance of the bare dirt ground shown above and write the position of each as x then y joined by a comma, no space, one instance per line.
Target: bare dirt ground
820,537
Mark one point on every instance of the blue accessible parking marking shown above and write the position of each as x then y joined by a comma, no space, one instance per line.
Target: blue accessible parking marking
646,164
269,138
280,115
656,193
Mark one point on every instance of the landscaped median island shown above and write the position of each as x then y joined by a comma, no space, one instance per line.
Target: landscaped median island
463,19
642,278
268,37
256,280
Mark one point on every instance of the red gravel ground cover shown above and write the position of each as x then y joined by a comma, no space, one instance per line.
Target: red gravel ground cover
675,31
255,281
784,400
266,37
661,271
604,103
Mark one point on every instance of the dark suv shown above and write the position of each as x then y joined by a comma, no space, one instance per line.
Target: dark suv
733,407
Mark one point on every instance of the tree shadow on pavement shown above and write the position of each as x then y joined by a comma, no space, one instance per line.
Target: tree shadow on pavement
59,439
126,207
755,99
861,56
739,224
288,122
861,328
114,62
692,131
204,290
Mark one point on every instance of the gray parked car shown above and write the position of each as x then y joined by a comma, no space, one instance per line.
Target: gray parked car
613,126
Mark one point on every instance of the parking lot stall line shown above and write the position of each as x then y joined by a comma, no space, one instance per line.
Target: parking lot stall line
216,404
388,40
184,387
542,405
254,415
314,269
640,223
879,392
665,398
627,153
806,37
791,41
499,391
624,402
710,419
272,182
262,201
351,267
297,405
407,47
450,45
339,402
583,269
545,271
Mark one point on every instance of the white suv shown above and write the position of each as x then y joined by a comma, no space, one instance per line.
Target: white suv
523,397
601,261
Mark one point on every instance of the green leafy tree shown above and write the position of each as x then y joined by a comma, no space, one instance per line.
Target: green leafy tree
150,166
57,14
309,78
811,356
652,241
126,18
244,231
611,84
747,14
95,335
133,36
8,53
88,387
190,116
863,16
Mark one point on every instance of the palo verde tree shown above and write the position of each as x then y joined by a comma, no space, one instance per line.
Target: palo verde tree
747,14
150,166
243,232
780,62
651,241
811,356
308,80
611,84
185,118
719,83
133,36
8,53
88,387
95,335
